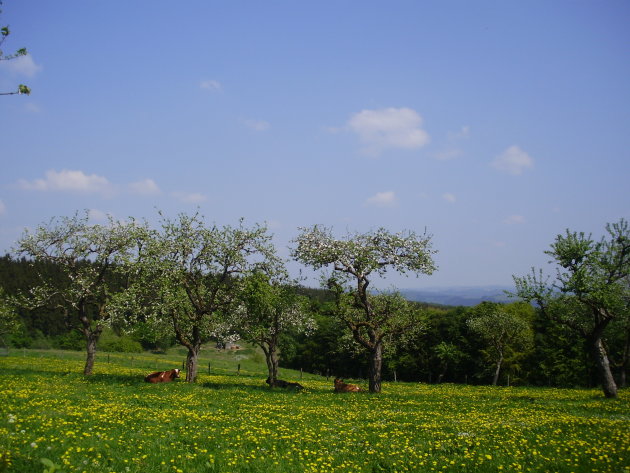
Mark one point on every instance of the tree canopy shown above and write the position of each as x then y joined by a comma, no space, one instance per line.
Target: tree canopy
590,288
505,328
88,257
369,317
271,307
4,33
188,276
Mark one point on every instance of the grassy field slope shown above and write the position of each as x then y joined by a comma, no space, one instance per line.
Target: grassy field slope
53,417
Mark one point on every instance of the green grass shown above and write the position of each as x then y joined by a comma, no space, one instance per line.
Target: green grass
114,422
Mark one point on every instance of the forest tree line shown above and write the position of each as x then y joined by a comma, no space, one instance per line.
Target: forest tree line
446,351
126,287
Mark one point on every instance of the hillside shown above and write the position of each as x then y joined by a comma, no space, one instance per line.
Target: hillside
458,295
113,421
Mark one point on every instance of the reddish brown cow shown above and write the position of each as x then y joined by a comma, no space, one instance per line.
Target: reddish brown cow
162,376
341,387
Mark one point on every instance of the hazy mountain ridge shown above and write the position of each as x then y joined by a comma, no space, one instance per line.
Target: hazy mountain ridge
459,295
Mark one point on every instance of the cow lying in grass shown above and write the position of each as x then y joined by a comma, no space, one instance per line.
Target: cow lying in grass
162,376
341,387
279,383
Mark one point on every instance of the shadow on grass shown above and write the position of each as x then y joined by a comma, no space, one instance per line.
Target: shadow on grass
94,378
115,379
24,371
235,386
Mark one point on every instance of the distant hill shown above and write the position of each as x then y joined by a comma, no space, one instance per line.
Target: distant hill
459,295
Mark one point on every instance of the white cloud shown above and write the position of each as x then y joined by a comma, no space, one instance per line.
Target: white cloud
67,180
447,196
3,208
514,220
21,66
211,85
96,215
389,128
190,198
513,161
258,125
382,199
144,187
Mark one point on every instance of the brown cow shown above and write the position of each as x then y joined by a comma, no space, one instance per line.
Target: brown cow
162,376
341,387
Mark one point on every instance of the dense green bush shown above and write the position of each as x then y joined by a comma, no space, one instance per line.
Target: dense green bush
111,342
41,341
72,340
20,338
157,342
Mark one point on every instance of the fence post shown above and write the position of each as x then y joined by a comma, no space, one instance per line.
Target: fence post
209,370
238,371
301,373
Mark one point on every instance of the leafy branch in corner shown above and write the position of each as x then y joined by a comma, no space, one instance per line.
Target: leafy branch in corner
4,33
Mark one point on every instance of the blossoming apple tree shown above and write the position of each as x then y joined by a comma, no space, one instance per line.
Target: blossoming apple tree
188,276
355,260
270,306
89,257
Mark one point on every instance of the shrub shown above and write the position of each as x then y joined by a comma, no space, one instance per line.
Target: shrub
72,340
157,342
111,342
41,341
20,339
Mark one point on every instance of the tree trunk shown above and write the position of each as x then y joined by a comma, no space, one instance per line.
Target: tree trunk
497,371
442,373
91,334
625,362
376,364
603,368
271,357
191,363
92,338
193,344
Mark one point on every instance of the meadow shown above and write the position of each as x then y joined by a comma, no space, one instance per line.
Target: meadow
53,418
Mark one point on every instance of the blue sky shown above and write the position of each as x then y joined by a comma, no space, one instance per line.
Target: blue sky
495,125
